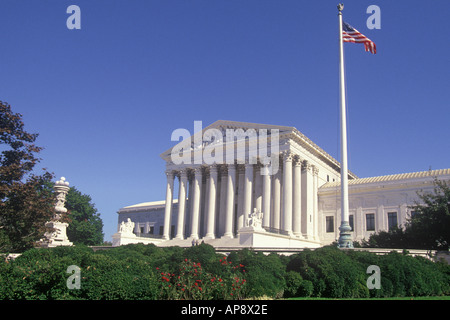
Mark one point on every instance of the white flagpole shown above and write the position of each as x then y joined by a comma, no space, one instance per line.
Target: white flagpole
345,239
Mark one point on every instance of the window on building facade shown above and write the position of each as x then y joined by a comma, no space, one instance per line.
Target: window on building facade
370,221
392,220
151,230
330,224
350,222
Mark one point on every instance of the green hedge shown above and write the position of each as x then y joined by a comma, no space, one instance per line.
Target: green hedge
338,273
149,272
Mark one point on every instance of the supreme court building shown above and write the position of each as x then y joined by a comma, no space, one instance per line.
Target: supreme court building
236,184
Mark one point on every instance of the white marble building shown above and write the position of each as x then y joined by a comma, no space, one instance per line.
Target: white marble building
264,186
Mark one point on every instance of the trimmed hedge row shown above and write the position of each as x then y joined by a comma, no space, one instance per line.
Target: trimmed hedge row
199,272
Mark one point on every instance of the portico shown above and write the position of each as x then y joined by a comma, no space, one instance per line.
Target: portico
216,197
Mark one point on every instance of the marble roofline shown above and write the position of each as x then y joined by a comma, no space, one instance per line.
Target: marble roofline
290,139
413,180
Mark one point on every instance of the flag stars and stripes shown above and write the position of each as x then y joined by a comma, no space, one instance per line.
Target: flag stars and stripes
350,34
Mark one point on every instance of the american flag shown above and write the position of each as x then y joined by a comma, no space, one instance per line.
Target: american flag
350,34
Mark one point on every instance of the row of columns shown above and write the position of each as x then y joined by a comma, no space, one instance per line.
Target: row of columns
287,199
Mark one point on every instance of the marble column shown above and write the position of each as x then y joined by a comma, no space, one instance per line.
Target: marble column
297,201
258,182
190,201
287,193
248,184
196,202
211,212
307,200
241,195
315,203
222,201
276,204
231,189
182,204
266,195
168,209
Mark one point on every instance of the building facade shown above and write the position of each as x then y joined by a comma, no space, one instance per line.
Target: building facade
237,184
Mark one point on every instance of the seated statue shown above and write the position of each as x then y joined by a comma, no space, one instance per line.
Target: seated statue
255,219
127,227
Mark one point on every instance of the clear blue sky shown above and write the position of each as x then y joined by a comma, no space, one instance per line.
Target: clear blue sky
105,99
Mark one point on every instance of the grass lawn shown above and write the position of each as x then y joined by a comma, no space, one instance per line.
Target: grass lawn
393,298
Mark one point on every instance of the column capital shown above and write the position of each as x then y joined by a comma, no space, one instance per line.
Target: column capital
248,165
183,173
223,169
315,170
240,168
307,166
297,161
214,168
170,174
231,167
288,155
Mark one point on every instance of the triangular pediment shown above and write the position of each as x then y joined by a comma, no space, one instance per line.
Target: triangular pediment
222,126
287,137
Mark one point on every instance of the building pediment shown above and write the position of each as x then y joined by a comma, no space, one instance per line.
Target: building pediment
224,132
204,138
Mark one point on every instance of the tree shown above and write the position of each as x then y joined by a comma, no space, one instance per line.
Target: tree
428,229
25,202
86,225
431,223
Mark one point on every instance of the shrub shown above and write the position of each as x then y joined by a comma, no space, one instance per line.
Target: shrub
146,271
404,275
306,289
264,273
293,282
191,282
331,272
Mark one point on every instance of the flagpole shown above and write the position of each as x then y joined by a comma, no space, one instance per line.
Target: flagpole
345,239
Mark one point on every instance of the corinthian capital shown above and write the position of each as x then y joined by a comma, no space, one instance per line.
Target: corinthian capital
170,174
307,166
297,161
315,170
288,155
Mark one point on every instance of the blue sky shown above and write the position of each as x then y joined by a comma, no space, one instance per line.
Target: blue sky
106,98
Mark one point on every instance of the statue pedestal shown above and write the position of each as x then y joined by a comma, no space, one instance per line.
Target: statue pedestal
58,237
121,238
